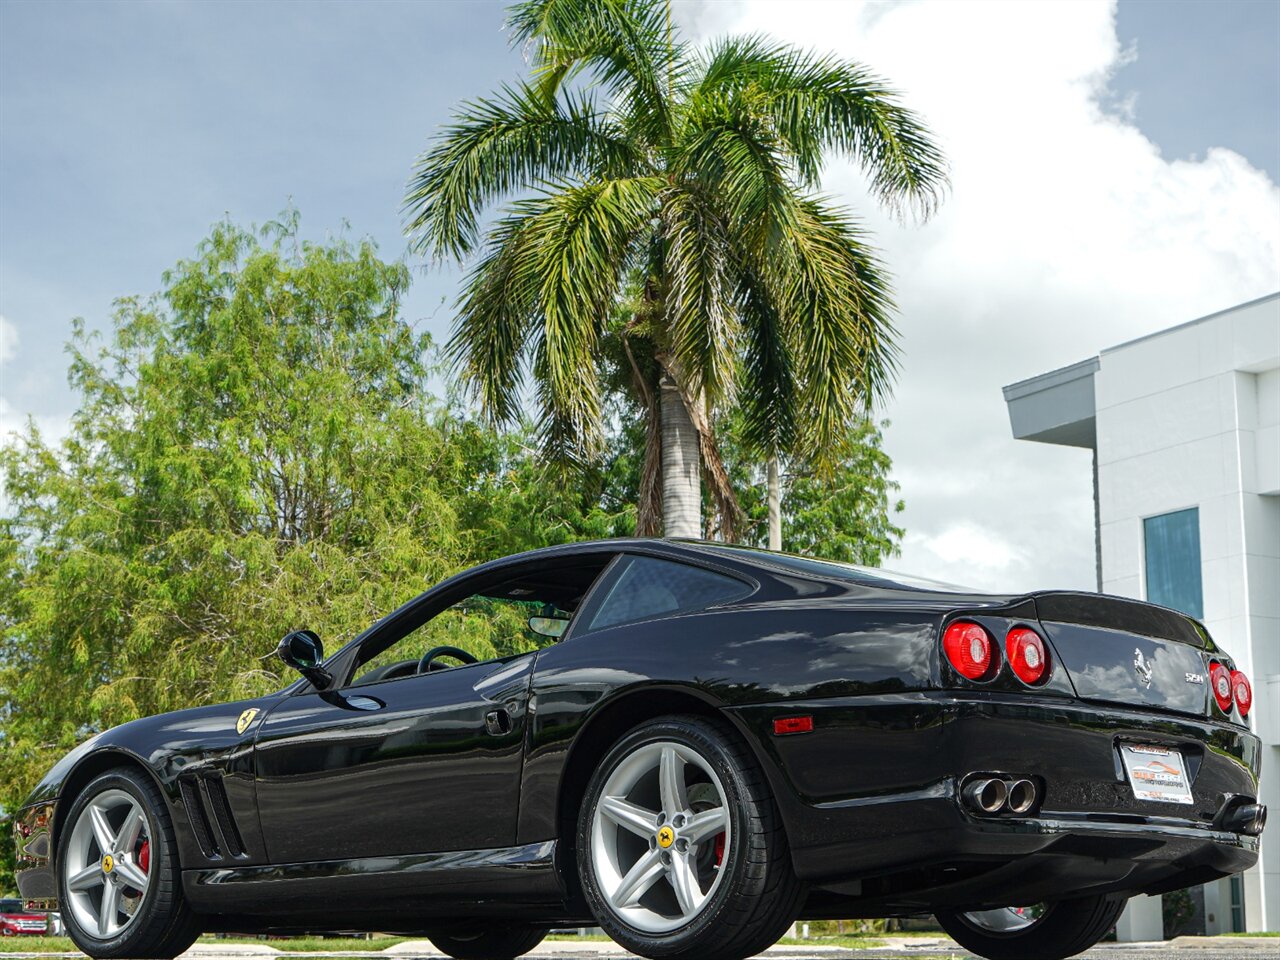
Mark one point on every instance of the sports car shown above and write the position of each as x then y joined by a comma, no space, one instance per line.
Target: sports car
689,744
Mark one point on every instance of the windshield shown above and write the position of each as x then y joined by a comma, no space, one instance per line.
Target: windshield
869,576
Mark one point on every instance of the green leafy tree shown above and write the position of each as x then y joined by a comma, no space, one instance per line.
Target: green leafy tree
845,512
255,451
681,182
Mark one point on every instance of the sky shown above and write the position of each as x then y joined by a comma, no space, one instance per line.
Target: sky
1114,172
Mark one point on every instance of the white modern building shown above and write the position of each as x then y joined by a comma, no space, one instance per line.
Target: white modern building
1184,425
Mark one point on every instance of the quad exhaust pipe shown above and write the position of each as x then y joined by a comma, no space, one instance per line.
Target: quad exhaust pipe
993,795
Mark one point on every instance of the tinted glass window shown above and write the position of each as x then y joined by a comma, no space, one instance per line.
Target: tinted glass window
1173,561
652,588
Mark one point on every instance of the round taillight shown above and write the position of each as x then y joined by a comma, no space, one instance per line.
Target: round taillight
1243,692
969,648
1027,654
1220,681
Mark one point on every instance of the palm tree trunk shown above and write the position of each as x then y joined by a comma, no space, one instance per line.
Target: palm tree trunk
681,465
775,505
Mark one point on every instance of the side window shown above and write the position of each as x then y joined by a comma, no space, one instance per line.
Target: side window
488,628
648,587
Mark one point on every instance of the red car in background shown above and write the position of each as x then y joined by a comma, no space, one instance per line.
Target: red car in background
16,919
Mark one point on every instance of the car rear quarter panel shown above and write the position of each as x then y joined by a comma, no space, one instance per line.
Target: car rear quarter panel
767,654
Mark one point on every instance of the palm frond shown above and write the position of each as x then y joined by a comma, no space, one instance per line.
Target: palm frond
499,145
626,45
701,323
822,103
767,393
731,154
833,295
547,289
495,317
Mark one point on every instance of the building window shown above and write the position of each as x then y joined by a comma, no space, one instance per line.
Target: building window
1237,903
1173,561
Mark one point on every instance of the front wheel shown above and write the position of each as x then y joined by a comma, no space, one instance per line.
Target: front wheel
681,851
489,941
1051,931
118,872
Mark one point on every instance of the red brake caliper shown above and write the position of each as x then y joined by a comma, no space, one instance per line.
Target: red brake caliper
719,849
144,856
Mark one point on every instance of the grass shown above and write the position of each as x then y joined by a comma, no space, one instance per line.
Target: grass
1268,933
37,945
855,941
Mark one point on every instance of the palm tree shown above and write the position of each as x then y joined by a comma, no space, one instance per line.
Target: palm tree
680,184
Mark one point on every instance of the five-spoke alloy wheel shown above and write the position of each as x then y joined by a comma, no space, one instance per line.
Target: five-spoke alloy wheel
657,867
107,860
680,849
118,871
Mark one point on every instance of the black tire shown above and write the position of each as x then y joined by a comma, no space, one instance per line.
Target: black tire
487,941
758,897
1066,927
163,926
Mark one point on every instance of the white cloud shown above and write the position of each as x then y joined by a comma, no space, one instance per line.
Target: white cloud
8,339
1065,233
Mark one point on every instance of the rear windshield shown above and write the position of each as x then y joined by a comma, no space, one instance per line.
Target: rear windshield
868,576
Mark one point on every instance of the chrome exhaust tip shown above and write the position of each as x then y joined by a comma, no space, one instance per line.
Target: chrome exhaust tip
1247,818
986,794
1022,796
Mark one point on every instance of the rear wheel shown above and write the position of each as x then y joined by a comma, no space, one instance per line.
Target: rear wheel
681,851
1051,931
488,941
118,871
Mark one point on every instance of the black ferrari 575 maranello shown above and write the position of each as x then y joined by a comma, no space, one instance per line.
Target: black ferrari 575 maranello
719,741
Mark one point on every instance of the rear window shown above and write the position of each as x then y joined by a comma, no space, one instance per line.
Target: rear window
648,588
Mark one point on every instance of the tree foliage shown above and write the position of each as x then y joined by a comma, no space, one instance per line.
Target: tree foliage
256,450
683,182
847,512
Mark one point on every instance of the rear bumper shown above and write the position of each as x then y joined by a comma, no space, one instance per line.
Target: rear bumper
872,807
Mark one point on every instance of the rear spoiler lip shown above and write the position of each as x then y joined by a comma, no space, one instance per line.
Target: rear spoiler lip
1124,614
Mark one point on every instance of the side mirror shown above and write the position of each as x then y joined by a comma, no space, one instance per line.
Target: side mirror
303,651
553,627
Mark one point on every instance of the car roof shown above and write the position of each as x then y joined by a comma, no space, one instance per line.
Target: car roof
769,560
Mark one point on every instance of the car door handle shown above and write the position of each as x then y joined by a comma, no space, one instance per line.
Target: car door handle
498,722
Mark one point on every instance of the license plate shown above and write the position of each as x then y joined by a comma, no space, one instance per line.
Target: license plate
1156,773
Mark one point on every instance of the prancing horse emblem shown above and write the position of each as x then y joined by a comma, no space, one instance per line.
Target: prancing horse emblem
1142,666
246,718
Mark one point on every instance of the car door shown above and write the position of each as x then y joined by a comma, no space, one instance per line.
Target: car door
419,764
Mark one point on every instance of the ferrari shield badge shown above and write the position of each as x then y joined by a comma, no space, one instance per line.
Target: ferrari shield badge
246,718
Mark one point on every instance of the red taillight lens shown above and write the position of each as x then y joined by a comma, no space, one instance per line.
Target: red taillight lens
1243,692
1027,655
969,648
1220,680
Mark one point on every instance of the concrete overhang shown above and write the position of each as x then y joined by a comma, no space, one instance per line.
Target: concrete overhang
1055,407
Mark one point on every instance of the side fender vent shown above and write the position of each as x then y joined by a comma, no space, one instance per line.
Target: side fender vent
222,815
199,818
